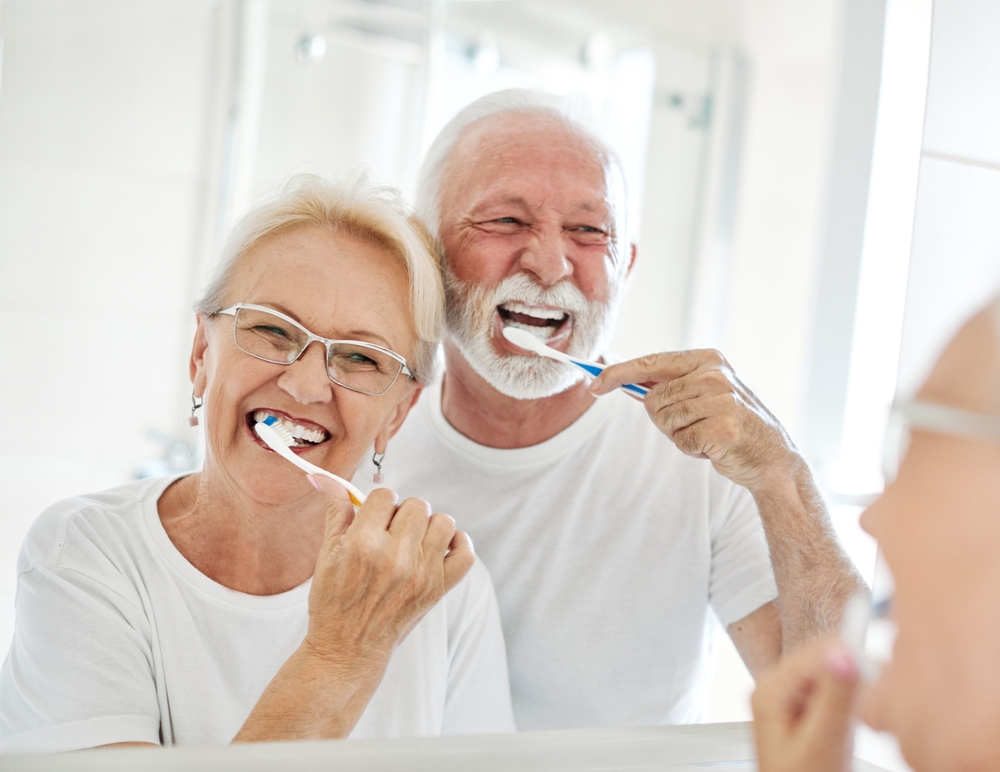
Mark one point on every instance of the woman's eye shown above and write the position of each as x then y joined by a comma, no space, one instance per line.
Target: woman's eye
353,362
270,329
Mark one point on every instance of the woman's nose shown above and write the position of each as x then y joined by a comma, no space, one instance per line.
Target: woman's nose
545,256
869,518
306,379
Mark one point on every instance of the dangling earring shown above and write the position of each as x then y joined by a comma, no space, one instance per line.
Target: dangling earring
378,478
195,404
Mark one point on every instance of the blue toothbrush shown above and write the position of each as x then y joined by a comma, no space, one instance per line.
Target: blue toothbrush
527,341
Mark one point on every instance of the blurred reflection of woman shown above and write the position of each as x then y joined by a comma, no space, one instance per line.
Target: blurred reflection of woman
248,601
938,526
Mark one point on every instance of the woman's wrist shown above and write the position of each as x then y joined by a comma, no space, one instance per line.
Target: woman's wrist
314,696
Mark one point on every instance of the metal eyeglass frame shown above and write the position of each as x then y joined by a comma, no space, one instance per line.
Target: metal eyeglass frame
940,419
327,343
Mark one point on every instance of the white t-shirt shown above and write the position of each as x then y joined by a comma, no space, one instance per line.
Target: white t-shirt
607,546
119,638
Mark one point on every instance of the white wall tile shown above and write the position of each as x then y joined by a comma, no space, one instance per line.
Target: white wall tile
102,130
963,96
955,259
778,222
96,237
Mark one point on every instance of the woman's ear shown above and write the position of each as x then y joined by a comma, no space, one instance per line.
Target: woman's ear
397,417
196,366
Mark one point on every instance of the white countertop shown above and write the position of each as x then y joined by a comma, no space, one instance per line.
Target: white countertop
702,747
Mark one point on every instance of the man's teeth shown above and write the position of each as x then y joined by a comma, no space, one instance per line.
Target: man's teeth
298,432
537,313
542,333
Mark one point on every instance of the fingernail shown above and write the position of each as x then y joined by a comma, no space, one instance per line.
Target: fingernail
323,484
841,663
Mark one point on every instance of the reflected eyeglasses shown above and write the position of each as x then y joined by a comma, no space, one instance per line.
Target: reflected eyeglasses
932,417
272,336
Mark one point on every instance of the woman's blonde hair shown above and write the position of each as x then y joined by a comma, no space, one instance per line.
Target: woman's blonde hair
355,207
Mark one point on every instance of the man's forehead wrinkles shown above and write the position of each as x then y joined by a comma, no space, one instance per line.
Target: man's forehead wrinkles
595,202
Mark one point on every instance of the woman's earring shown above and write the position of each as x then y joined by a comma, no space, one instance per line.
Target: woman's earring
195,404
378,478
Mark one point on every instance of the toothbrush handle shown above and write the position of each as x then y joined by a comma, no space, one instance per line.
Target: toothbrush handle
274,442
595,369
357,497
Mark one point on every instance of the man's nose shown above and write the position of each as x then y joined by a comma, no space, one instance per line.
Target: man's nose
546,256
306,379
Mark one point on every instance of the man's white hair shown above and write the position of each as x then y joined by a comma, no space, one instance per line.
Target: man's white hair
572,113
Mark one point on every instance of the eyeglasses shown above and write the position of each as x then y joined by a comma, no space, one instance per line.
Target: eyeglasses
274,337
932,417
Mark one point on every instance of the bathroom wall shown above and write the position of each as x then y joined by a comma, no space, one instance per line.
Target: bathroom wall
103,114
955,258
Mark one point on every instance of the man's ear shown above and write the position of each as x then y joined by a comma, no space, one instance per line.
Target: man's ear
633,250
396,419
196,366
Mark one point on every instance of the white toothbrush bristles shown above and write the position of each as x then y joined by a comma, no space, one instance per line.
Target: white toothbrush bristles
281,431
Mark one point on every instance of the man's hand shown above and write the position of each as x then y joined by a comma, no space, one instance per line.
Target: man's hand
802,711
379,571
697,400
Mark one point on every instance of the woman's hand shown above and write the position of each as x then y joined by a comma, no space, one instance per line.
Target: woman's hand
379,571
802,711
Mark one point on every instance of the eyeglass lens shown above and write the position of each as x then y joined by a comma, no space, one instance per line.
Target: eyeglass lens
354,365
897,440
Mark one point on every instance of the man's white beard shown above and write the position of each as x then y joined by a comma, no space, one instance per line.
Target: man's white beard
469,319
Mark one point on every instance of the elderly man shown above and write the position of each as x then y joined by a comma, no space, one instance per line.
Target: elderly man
607,535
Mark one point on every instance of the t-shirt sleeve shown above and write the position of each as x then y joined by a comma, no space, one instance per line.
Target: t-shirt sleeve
478,698
79,670
741,579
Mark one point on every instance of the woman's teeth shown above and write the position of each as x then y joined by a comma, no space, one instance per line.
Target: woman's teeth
311,436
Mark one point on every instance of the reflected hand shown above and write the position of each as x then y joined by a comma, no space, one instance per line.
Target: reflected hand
378,572
802,711
697,400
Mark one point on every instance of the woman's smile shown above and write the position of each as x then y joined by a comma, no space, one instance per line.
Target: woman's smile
307,434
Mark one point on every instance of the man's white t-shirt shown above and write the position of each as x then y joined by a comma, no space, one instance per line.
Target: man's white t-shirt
118,638
607,547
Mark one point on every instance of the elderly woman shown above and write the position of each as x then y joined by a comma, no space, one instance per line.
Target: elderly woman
248,601
938,525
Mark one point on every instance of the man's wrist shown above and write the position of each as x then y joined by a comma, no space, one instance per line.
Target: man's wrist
789,483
